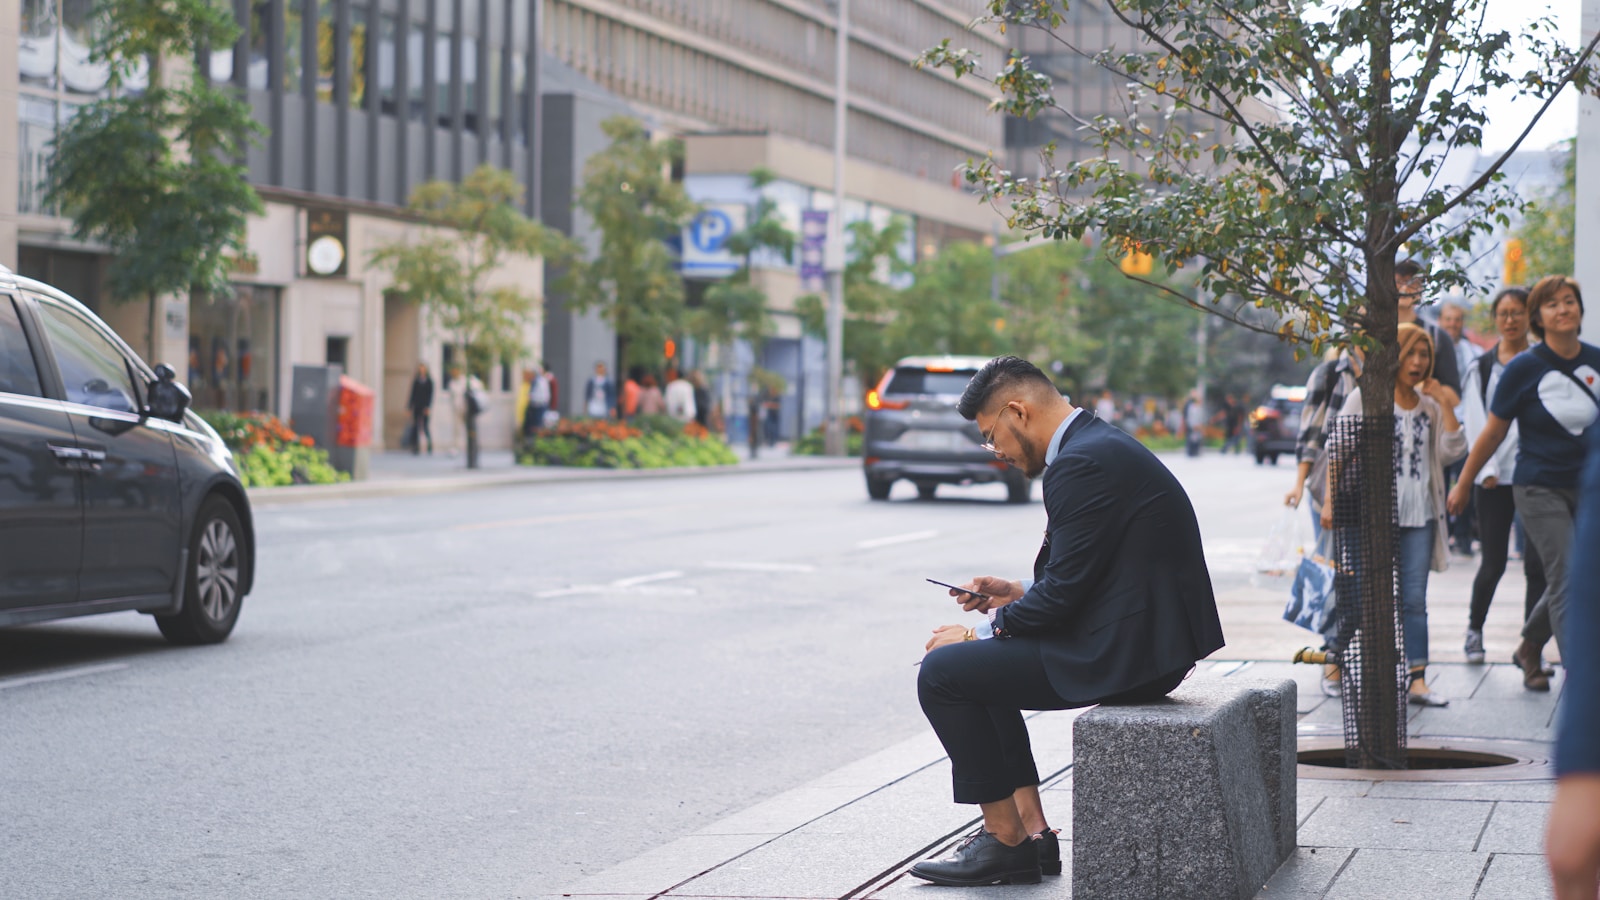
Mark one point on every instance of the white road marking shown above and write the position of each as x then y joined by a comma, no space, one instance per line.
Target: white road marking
560,518
61,675
896,539
637,580
760,567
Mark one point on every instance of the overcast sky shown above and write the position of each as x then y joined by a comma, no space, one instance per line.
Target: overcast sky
1508,115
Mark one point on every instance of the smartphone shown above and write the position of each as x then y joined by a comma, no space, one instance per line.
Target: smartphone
954,588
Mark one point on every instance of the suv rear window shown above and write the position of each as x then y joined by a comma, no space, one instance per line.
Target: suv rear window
909,380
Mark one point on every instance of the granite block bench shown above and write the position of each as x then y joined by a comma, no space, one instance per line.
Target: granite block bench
1189,797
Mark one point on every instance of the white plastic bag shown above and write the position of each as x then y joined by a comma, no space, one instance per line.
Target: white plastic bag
1287,542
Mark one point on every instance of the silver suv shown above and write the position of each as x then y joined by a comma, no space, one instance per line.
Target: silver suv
912,431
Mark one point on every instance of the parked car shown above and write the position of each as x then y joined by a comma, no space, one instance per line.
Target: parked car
912,431
113,494
1275,424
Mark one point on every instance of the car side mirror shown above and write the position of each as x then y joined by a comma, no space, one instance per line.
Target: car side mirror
167,398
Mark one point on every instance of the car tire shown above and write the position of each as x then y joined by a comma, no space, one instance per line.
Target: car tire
926,490
218,560
878,488
1019,488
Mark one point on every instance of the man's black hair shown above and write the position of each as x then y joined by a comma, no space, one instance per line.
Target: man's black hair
998,376
1407,268
1518,293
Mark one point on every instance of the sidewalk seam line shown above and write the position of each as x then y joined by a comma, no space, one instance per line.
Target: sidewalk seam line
1482,874
1494,808
1342,866
878,880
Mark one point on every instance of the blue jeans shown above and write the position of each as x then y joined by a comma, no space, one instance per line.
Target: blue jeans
1416,558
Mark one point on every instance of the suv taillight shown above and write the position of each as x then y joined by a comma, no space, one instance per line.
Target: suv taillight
875,401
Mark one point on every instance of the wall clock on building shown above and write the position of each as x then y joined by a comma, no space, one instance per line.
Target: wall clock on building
325,256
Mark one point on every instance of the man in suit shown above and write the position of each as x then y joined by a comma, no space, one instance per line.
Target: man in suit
1119,609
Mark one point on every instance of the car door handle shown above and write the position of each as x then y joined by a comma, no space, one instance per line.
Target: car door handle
78,454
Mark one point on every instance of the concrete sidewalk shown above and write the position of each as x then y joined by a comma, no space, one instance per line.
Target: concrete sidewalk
401,473
855,832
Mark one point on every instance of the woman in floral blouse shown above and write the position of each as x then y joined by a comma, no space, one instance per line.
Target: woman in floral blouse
1427,437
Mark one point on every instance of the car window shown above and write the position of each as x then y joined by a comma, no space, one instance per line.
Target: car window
17,372
92,368
908,380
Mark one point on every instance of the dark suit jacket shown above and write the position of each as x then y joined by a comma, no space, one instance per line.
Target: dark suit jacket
1121,595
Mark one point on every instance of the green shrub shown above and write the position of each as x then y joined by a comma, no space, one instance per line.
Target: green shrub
648,442
268,454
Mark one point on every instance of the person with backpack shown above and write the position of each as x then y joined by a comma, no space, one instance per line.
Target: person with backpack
1491,493
1552,393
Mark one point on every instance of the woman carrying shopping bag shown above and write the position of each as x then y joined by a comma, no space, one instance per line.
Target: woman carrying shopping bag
1427,437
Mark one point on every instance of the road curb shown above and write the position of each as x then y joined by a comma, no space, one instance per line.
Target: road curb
406,487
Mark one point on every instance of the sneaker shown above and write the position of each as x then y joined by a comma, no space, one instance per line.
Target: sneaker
1474,646
1418,693
1331,685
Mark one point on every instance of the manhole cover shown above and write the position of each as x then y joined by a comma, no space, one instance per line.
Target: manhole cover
1433,759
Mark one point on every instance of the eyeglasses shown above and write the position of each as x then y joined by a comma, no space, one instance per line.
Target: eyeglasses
988,438
1511,314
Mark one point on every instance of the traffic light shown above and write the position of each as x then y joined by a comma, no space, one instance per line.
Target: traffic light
1136,261
1516,268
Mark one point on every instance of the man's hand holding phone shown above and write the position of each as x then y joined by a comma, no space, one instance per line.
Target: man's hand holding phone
984,592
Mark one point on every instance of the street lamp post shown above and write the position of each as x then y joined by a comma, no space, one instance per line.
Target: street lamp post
833,262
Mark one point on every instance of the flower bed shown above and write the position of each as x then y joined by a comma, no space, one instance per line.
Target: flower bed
649,442
268,453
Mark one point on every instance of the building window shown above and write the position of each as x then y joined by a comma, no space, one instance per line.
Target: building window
260,66
327,50
293,35
496,99
469,83
36,46
36,121
387,61
360,17
78,73
414,71
443,56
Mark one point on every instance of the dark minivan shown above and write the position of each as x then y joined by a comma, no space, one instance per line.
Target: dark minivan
912,431
113,494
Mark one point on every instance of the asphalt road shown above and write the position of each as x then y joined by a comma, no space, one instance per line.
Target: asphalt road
461,695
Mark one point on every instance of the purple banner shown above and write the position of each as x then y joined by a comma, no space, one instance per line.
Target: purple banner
813,248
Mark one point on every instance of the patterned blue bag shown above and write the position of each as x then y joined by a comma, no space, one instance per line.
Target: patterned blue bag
1311,598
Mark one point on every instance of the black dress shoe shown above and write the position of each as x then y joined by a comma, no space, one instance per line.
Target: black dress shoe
1049,851
982,859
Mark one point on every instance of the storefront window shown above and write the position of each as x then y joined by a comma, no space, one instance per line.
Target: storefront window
233,349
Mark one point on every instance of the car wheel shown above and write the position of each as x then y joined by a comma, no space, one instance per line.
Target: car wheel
926,490
878,488
1019,488
218,560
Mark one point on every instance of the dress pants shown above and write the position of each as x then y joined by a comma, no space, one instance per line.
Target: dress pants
973,693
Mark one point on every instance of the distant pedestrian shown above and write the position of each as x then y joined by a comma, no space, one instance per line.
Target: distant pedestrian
1492,492
599,394
1232,415
1105,408
651,401
1194,420
679,397
1452,321
1427,437
702,400
1409,282
539,399
420,403
1331,382
1551,393
628,402
1572,839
